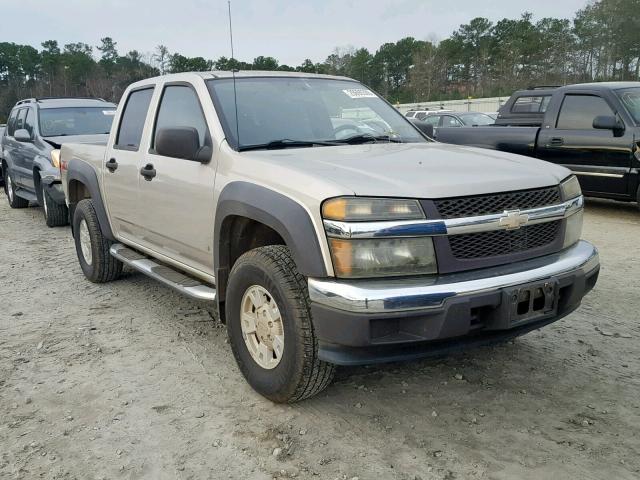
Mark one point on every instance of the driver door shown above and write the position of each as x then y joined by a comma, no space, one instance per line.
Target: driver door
178,203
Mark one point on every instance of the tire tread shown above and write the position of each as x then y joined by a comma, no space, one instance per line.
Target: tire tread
316,374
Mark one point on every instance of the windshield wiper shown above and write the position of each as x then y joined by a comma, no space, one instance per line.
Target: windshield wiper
286,143
367,137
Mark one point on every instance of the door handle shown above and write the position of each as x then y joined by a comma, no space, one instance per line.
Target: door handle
557,141
148,172
112,165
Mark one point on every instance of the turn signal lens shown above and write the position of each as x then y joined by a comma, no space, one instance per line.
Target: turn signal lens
570,188
357,209
573,229
55,158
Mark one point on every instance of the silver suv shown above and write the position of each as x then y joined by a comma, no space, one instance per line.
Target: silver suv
29,148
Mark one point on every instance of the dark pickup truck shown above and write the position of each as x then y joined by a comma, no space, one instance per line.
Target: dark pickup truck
593,129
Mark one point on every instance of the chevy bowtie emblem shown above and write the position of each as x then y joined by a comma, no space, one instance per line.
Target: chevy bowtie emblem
513,219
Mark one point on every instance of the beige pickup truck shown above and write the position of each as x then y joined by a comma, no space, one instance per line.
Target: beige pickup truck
328,229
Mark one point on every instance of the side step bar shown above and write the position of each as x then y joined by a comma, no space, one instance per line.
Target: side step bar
186,285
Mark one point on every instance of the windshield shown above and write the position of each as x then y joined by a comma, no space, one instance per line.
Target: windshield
471,119
56,122
630,98
305,110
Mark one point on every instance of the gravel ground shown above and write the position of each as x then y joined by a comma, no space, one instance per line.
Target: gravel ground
130,380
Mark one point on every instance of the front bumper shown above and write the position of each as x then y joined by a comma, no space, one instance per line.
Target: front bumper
368,321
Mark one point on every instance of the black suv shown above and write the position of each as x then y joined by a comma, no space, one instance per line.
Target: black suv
29,148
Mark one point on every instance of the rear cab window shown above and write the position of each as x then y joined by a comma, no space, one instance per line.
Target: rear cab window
133,119
578,111
531,104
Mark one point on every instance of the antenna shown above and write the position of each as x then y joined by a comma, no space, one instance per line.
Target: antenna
233,73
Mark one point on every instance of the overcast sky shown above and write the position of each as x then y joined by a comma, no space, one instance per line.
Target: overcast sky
288,30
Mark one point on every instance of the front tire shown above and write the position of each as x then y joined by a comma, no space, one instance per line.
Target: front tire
10,189
92,247
55,215
270,328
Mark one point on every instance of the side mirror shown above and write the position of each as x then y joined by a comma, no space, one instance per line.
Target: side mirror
424,127
22,135
181,142
608,122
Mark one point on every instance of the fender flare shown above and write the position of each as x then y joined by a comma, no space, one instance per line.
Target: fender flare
284,215
86,174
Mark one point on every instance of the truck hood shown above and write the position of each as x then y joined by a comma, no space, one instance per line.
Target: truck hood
56,142
417,170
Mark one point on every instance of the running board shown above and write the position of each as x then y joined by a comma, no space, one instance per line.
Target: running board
186,285
26,195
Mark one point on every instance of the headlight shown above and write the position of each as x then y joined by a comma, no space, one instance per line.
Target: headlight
573,229
382,257
356,209
378,257
570,188
55,158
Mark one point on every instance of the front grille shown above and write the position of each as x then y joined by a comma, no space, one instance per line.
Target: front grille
497,203
503,242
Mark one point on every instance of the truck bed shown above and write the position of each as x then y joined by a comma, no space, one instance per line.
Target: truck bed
520,140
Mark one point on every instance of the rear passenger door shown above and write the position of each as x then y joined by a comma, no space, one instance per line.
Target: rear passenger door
179,204
601,160
121,172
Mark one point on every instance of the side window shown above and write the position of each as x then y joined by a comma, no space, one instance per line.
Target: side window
421,115
22,113
432,120
410,114
578,111
29,121
449,121
180,107
11,124
133,118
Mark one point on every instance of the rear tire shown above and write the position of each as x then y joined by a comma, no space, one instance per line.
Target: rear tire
638,197
55,215
92,247
293,371
10,189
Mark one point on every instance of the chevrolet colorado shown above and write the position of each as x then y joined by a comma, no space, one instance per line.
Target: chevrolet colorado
591,128
327,228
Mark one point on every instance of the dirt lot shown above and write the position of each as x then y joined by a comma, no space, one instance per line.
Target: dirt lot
130,380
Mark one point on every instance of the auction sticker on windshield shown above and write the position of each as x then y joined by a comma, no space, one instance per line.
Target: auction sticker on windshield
359,93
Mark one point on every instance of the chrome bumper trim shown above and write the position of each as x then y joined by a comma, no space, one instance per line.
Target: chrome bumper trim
404,294
453,226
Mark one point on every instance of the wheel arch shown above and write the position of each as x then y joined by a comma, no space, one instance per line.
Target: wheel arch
82,182
249,216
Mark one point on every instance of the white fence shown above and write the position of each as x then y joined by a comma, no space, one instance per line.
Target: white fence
470,105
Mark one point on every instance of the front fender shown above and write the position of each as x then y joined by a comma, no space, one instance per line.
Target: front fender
284,215
48,173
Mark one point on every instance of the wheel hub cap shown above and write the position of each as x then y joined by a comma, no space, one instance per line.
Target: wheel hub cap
44,204
85,242
262,327
10,188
